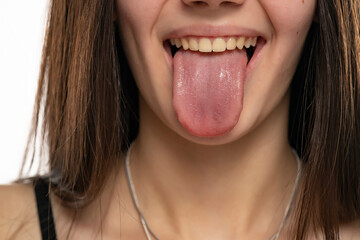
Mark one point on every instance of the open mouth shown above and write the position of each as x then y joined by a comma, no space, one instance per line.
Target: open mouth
209,74
219,44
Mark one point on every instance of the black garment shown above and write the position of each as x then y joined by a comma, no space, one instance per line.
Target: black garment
46,220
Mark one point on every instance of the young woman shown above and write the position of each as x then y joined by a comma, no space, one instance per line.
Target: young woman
187,119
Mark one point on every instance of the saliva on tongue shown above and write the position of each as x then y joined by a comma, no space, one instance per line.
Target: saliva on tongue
208,90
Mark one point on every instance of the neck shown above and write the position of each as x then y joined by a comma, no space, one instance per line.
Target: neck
247,182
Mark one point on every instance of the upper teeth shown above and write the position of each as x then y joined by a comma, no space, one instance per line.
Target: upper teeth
213,45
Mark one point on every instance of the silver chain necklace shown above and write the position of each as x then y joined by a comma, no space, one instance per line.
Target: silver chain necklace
149,232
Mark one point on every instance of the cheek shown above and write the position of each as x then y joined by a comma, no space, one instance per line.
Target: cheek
138,15
290,20
290,16
136,20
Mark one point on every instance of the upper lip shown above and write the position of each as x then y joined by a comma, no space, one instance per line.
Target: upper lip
205,30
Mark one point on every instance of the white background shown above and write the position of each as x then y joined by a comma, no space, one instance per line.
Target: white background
22,27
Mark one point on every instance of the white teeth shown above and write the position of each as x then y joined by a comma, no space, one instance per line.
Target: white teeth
254,41
177,43
240,43
205,45
185,44
248,42
193,44
218,44
231,44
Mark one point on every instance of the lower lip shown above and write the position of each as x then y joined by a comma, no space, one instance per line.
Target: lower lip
250,66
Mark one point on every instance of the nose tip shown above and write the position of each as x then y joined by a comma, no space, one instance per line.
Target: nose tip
212,3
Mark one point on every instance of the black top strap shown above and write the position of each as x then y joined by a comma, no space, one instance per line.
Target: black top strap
46,220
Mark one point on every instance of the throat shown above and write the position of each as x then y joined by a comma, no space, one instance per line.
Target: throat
214,193
233,184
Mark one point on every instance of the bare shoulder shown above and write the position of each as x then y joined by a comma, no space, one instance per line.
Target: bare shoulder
18,212
350,231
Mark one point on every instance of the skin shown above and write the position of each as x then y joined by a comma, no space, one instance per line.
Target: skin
284,24
208,187
234,186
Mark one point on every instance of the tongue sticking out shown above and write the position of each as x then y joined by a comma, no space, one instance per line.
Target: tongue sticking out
208,90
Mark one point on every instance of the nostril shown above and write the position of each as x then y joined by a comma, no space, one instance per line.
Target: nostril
228,4
199,3
213,3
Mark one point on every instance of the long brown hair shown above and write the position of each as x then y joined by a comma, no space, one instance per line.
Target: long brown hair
88,102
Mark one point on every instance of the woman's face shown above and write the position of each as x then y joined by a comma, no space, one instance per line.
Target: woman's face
209,96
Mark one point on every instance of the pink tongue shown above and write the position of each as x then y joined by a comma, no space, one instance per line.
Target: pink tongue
208,90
